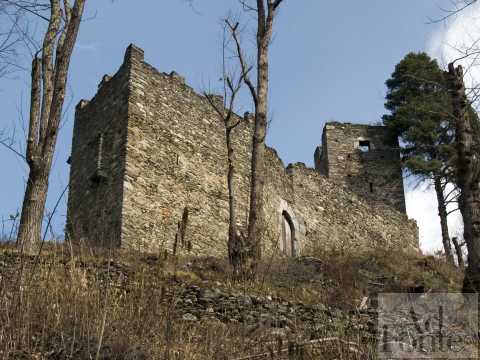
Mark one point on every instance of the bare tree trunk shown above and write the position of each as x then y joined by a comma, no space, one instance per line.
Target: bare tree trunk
265,18
32,212
247,252
49,78
443,214
467,178
458,250
235,238
255,218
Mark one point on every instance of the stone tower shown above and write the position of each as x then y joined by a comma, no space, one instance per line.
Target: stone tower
358,157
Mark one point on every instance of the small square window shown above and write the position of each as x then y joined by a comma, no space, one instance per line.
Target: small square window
364,145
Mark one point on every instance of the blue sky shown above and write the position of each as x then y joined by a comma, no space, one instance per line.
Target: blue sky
329,61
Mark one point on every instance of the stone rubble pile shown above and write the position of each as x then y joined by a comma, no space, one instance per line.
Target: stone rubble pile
194,303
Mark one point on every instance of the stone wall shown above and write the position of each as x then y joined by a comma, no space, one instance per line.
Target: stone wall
374,171
98,163
338,218
176,160
174,172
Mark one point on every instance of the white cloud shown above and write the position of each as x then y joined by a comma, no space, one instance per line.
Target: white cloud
423,207
458,35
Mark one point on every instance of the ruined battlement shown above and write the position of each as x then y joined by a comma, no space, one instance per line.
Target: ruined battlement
149,153
358,156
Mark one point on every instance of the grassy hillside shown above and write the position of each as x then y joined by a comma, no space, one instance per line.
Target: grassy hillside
143,306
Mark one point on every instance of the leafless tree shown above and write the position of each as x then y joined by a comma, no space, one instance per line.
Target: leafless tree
468,175
447,192
443,200
266,11
225,108
48,85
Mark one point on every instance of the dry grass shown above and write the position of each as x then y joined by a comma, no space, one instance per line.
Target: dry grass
65,308
342,279
123,306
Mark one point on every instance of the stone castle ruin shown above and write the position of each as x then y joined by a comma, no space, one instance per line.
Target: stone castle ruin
357,156
148,172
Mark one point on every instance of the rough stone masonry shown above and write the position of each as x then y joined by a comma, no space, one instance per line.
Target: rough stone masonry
148,172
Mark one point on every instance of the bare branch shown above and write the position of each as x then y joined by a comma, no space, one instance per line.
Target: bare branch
32,7
246,6
211,100
8,144
241,58
454,192
452,211
276,4
450,13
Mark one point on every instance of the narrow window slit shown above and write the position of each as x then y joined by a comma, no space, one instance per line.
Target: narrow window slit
364,145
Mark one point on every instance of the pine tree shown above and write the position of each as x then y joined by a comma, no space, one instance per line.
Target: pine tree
420,116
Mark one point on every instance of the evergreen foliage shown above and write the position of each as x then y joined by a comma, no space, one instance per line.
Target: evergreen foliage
421,116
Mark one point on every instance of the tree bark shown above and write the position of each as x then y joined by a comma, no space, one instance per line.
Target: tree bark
33,207
443,214
255,217
467,178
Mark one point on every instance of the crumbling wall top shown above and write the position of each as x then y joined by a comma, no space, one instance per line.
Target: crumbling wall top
133,52
343,125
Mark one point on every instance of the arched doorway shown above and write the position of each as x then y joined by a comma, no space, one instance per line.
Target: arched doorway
287,238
